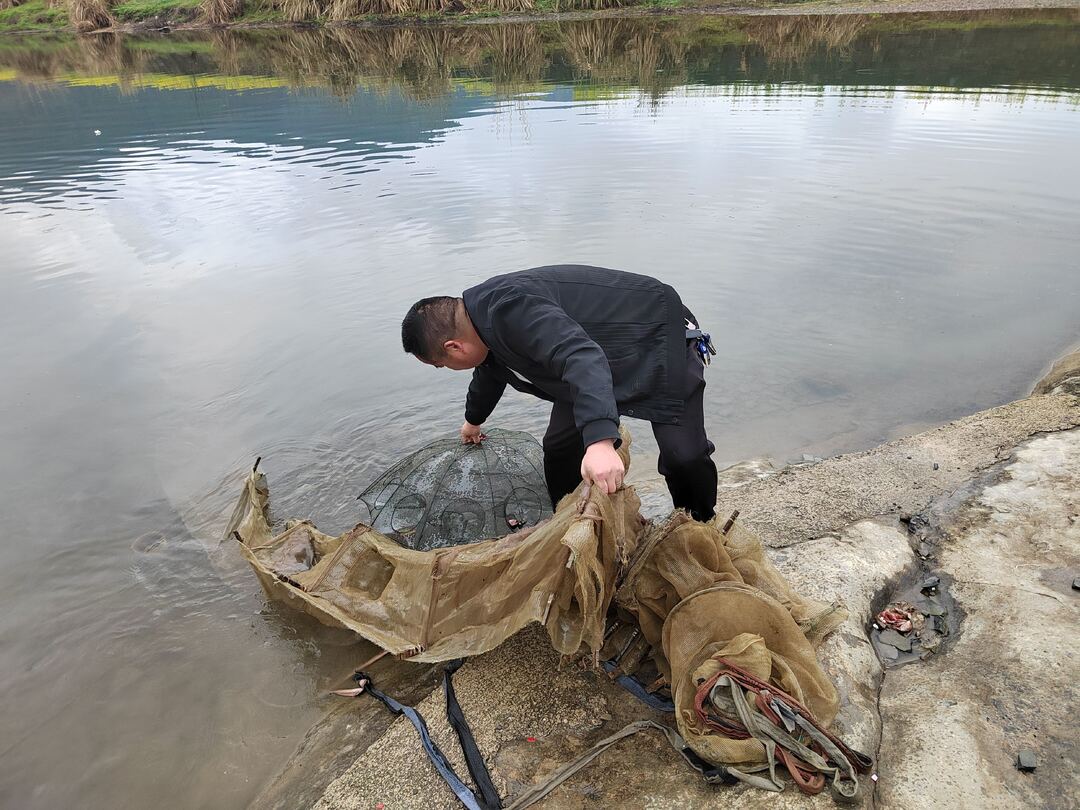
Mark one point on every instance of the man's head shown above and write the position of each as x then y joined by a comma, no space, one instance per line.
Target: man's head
437,331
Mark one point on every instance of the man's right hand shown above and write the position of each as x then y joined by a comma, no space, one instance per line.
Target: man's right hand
471,434
603,467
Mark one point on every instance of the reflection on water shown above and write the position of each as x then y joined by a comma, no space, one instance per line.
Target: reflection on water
974,49
209,241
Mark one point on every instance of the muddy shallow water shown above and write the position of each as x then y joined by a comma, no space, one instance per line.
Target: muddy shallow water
208,243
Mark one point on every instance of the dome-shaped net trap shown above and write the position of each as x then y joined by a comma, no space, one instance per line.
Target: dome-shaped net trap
449,493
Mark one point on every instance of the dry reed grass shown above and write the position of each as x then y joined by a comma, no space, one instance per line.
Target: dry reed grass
220,12
90,15
507,5
300,10
793,38
588,5
341,10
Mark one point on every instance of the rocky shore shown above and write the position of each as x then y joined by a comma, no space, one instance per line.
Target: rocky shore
990,504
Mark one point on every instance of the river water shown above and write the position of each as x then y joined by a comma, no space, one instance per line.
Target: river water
208,242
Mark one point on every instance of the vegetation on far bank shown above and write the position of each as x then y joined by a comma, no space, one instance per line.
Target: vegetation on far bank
94,15
984,52
91,15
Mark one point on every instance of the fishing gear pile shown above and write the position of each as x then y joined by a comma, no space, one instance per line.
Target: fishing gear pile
732,642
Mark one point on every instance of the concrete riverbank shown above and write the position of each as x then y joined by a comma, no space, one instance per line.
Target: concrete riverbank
990,503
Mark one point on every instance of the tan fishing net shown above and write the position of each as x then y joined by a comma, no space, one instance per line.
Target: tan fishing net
457,601
705,597
697,592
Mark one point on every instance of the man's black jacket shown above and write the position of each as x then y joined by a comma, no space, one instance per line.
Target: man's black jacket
609,342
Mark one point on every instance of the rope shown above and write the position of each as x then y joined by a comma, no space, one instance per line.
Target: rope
778,714
537,792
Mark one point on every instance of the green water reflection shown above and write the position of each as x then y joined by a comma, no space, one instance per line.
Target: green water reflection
1010,50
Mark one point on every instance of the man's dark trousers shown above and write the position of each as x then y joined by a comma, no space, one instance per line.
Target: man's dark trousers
685,450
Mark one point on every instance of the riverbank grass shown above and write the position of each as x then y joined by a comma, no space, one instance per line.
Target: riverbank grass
90,15
35,14
132,16
138,10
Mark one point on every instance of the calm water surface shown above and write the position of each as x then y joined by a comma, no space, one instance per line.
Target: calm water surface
208,243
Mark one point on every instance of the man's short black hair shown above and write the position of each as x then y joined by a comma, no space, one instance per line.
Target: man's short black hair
429,323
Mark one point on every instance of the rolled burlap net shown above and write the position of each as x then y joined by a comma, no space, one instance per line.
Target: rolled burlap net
699,594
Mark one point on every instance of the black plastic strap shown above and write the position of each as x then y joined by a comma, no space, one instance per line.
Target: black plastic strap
478,770
712,774
437,757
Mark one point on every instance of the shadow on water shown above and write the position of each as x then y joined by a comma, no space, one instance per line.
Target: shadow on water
958,50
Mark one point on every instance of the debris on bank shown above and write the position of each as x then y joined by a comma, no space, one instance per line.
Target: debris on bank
915,624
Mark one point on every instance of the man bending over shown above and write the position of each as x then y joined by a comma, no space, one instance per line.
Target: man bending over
597,344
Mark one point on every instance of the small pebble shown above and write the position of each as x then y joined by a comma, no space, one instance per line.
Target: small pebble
894,639
1076,584
1025,760
931,606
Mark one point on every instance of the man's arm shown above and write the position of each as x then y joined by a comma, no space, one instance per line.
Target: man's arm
541,331
485,391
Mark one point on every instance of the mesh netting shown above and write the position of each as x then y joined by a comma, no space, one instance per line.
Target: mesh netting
456,601
449,493
703,598
702,593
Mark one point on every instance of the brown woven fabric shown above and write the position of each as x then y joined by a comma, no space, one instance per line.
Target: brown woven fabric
453,602
699,594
